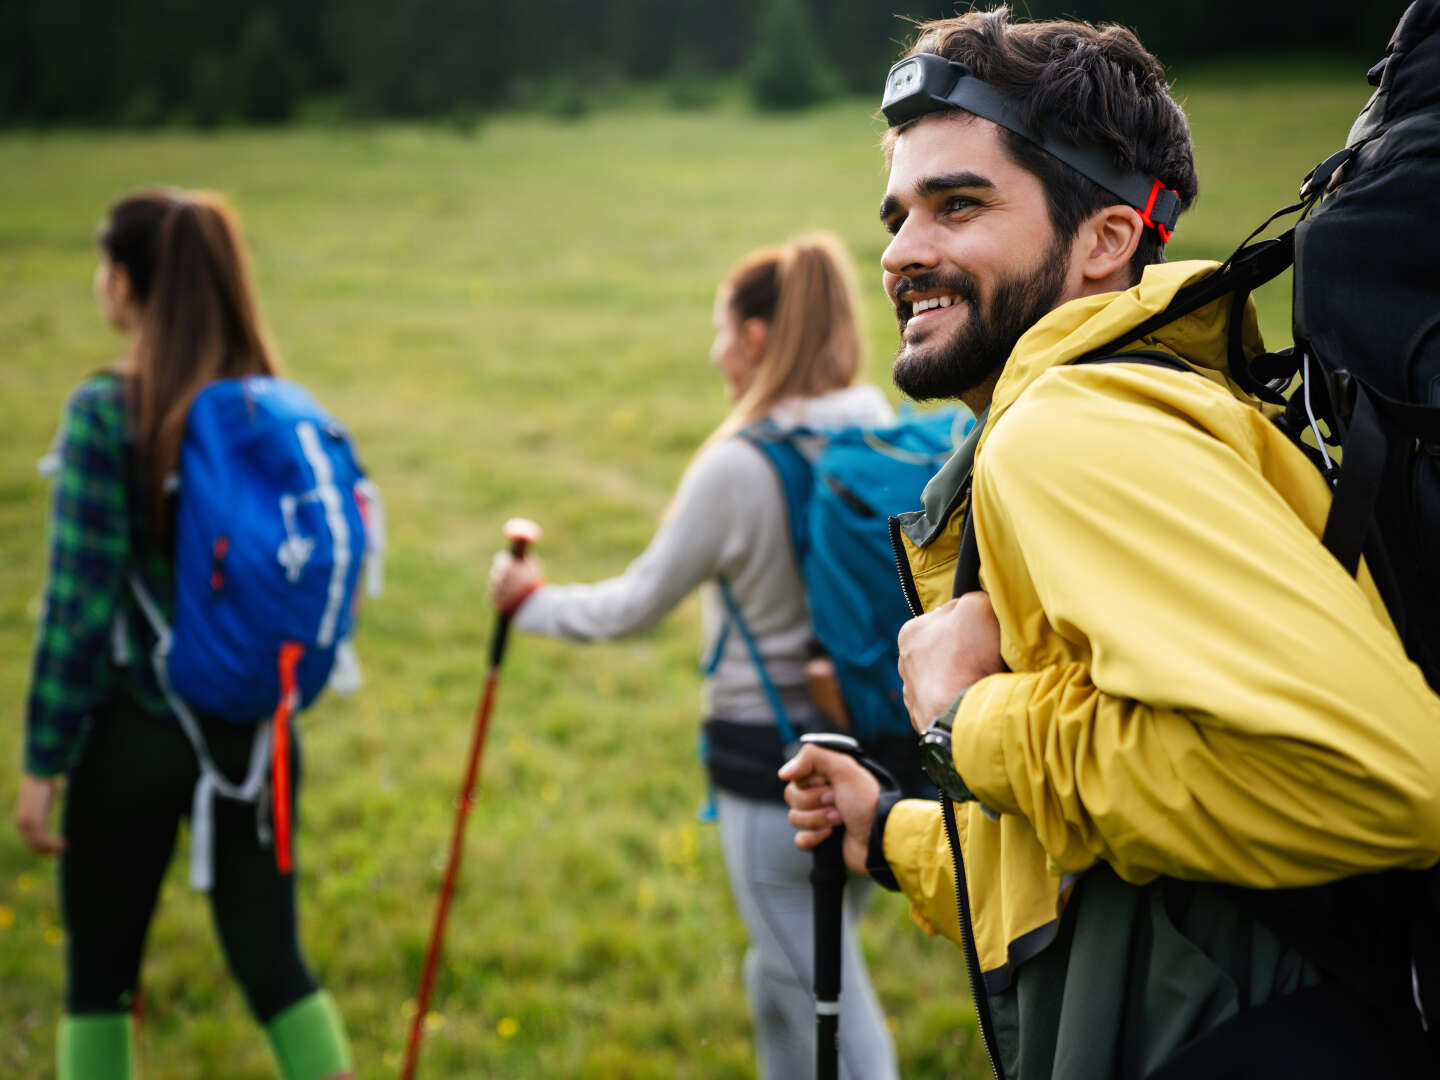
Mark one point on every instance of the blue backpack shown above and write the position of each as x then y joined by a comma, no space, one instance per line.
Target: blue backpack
841,489
270,539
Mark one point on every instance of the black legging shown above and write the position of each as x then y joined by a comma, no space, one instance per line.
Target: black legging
123,805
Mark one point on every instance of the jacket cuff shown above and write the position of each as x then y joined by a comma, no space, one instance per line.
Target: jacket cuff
977,740
44,766
534,614
876,865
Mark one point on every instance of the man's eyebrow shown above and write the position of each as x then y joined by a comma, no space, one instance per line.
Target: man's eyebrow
934,185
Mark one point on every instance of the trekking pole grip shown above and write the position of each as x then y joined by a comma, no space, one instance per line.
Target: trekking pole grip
521,532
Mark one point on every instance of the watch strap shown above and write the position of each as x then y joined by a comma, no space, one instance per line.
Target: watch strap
948,714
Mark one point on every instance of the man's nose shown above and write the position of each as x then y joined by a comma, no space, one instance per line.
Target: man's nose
911,249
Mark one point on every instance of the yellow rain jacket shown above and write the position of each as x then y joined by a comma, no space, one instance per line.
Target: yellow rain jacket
1197,689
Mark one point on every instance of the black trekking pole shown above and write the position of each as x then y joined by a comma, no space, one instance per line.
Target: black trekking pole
827,880
520,533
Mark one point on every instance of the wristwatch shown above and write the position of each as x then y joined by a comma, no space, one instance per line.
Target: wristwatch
936,758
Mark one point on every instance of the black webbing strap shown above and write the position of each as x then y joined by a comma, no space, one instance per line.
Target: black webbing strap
1425,954
1247,270
967,565
1420,422
1375,422
1382,572
1153,357
1351,511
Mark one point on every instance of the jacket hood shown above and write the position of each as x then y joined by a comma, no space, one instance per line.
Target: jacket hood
862,404
1089,323
1079,327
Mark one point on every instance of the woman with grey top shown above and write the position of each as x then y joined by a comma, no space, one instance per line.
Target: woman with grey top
788,345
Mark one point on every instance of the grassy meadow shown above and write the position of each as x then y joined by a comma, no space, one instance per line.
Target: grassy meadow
513,320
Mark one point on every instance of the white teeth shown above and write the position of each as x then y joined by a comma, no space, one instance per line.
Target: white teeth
932,303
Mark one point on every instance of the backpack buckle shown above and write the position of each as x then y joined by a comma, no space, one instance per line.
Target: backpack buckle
218,551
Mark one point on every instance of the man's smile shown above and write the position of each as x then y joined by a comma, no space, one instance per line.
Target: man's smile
919,310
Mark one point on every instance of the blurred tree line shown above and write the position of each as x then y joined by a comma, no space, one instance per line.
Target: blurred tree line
205,62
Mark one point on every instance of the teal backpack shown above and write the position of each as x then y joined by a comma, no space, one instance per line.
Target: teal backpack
841,488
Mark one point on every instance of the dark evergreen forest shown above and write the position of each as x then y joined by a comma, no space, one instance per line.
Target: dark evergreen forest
205,62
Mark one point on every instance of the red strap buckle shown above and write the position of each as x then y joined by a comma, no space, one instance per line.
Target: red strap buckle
218,551
1160,227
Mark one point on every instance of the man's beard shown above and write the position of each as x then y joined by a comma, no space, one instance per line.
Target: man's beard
979,347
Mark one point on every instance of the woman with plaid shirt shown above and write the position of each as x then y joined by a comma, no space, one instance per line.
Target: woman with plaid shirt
173,278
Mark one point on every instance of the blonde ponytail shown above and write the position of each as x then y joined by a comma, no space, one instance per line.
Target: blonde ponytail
804,290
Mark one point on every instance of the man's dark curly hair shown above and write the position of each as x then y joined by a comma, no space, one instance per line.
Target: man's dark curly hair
1091,85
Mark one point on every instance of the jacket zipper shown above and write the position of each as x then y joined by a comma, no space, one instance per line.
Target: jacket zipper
978,992
902,567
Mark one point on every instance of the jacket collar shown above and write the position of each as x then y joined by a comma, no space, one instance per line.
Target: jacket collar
941,496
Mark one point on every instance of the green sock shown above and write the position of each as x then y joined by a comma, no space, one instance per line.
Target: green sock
309,1039
96,1046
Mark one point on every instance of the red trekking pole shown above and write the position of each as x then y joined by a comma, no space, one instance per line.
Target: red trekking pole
520,533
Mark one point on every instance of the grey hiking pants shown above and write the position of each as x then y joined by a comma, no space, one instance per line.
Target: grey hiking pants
770,878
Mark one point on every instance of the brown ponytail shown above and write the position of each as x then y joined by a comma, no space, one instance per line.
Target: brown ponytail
199,318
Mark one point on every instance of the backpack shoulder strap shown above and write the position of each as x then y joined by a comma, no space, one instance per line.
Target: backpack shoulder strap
797,476
797,482
967,566
772,695
1153,357
1249,267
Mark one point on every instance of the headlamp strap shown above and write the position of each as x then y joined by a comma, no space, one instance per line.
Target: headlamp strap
927,83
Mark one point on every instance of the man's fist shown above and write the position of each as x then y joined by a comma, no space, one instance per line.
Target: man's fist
945,651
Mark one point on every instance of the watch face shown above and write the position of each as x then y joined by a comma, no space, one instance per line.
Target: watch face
935,759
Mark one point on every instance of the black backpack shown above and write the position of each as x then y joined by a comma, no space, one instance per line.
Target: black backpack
1360,389
1361,384
1367,319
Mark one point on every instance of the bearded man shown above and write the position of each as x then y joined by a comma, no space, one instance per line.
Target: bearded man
1179,741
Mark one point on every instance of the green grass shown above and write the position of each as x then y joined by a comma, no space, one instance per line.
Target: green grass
514,322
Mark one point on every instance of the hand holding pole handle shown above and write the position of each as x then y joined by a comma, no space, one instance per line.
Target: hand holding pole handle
521,532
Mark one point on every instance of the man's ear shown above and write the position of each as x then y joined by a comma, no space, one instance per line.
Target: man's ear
1104,245
754,338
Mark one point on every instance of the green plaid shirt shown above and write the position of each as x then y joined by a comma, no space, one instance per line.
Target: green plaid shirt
93,640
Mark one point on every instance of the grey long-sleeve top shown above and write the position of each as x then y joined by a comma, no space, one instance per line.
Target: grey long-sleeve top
728,520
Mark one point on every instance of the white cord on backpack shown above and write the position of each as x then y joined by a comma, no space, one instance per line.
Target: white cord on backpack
1314,424
1415,991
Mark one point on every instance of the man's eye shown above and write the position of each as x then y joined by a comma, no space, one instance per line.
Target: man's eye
956,203
892,225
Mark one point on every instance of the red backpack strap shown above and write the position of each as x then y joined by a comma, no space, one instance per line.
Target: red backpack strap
290,654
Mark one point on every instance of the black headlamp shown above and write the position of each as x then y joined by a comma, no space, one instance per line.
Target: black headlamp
926,83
